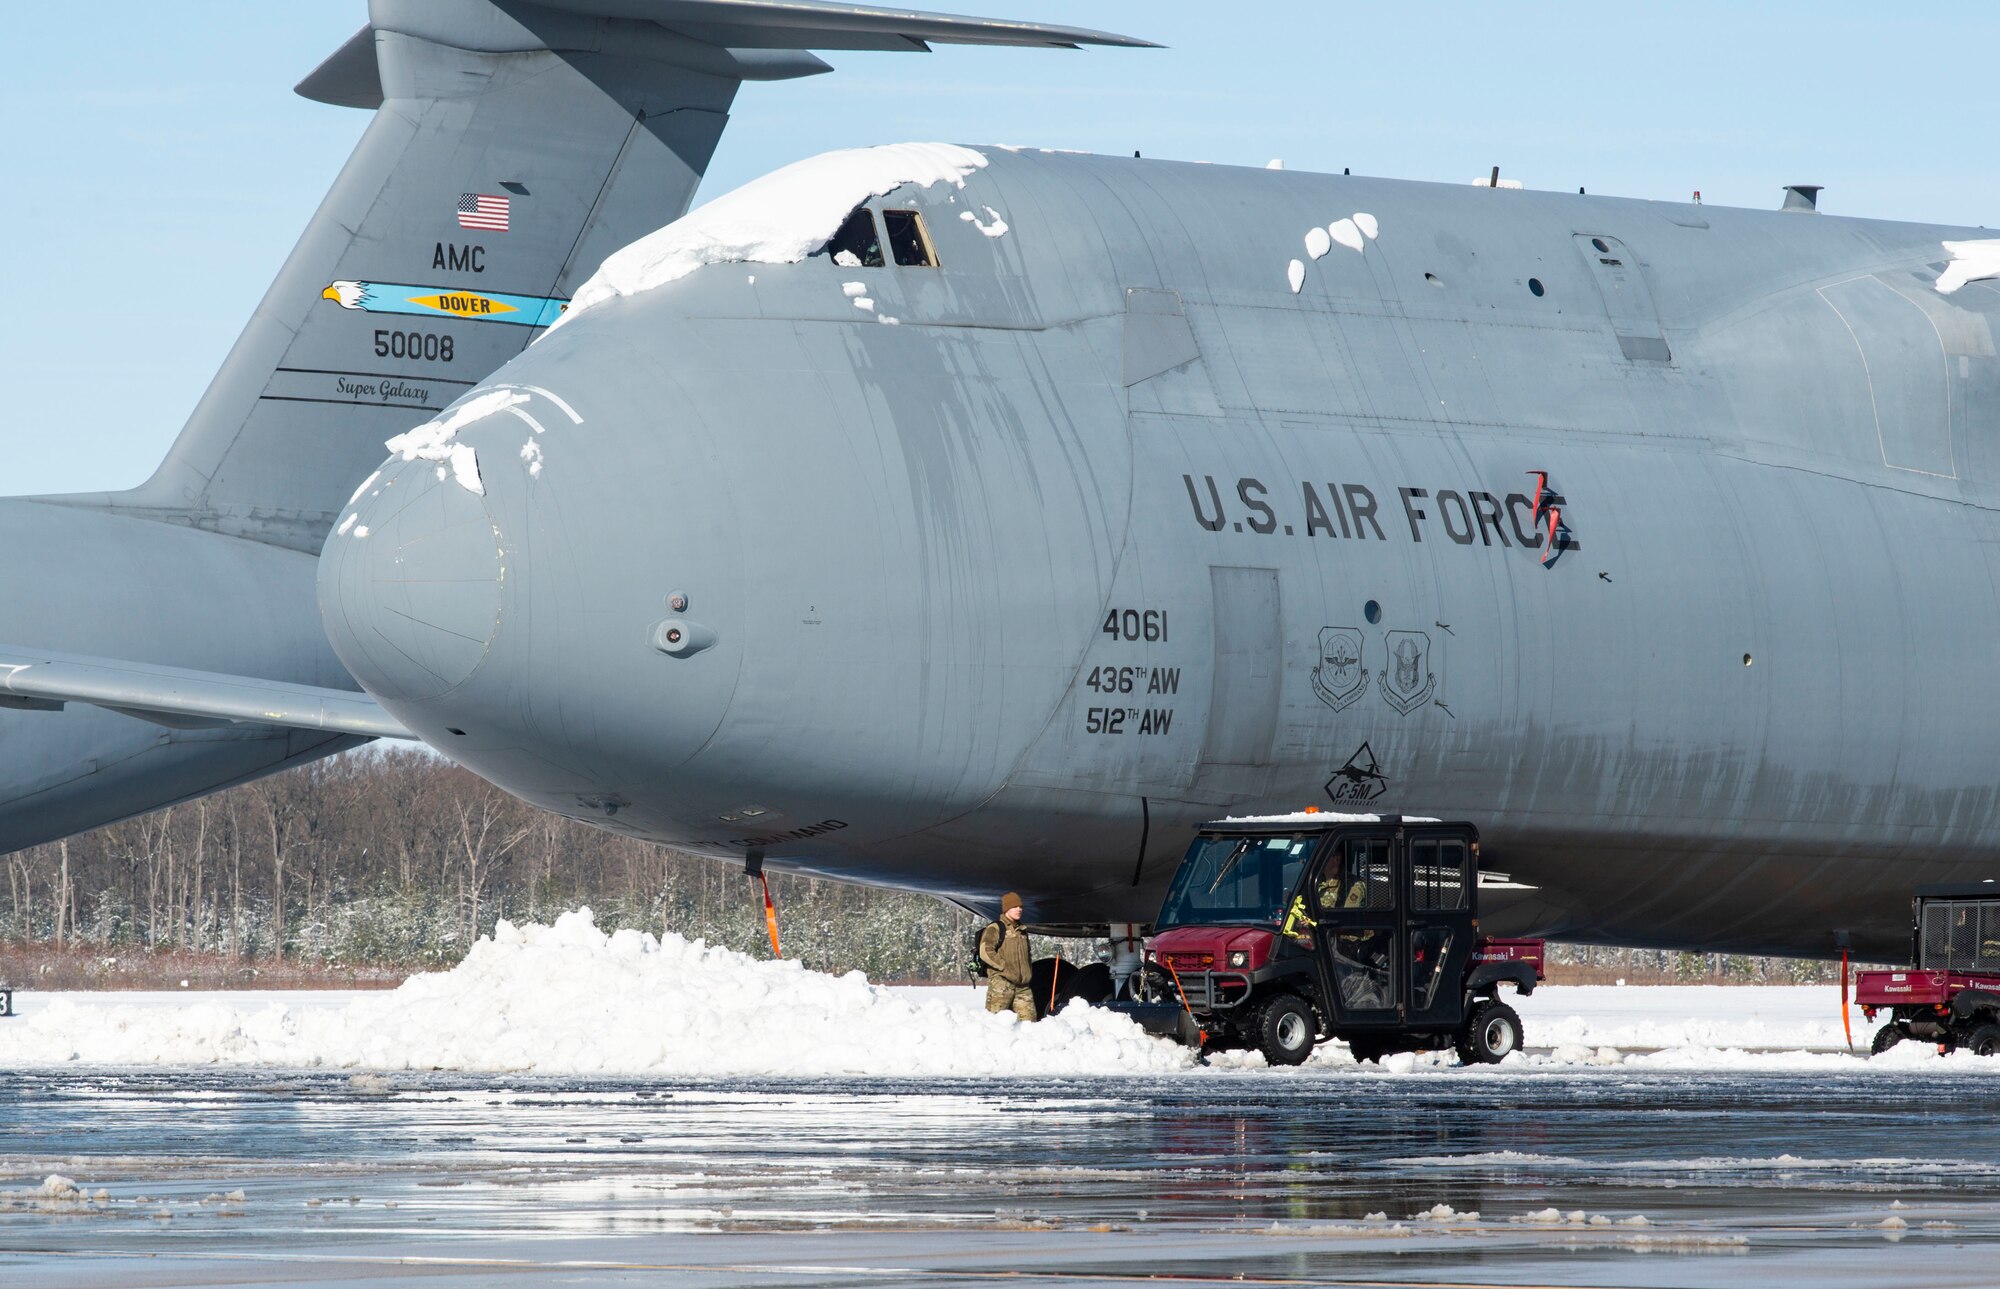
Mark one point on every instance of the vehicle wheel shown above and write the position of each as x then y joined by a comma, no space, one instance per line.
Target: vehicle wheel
1285,1029
1984,1040
1491,1032
1362,1049
1885,1038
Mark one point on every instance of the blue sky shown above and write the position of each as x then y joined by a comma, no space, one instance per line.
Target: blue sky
159,167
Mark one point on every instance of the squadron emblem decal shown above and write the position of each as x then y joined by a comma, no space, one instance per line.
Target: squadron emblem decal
1409,679
1339,678
446,302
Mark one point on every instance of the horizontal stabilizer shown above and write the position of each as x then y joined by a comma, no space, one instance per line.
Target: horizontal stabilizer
349,76
179,697
809,24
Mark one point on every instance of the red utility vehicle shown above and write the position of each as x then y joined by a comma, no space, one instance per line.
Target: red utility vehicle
1282,930
1951,997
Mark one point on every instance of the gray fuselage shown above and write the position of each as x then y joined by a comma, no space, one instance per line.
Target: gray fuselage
1117,532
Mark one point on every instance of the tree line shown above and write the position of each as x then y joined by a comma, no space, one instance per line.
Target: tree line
393,857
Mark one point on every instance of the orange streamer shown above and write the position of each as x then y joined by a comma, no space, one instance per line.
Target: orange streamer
1183,993
1846,1023
770,916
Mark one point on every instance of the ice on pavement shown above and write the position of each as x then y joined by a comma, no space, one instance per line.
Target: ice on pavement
573,999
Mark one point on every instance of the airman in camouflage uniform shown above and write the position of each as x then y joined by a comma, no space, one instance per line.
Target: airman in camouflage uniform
1010,975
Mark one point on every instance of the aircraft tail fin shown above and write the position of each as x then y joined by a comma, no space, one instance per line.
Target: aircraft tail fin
514,146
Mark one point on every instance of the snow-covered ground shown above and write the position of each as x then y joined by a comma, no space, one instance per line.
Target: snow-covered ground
570,999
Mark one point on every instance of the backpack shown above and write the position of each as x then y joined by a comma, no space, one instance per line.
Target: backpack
978,967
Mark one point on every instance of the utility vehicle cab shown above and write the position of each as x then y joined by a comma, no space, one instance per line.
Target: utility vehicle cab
1951,995
1280,930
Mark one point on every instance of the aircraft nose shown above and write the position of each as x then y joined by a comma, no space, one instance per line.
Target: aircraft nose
411,582
528,584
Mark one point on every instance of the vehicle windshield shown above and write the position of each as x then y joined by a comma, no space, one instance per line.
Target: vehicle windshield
1236,879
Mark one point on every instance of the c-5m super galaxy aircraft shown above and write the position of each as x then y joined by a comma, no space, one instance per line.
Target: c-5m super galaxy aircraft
968,518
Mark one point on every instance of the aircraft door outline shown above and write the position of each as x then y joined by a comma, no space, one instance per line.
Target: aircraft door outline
1628,301
1246,669
1909,400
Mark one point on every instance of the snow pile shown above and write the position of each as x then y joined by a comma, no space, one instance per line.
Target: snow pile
1577,1054
571,999
1442,1213
778,219
56,1194
1970,262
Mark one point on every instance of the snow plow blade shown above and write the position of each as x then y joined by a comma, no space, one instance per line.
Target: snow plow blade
1165,1019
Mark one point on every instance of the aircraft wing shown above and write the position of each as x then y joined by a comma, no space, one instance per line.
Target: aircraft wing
183,698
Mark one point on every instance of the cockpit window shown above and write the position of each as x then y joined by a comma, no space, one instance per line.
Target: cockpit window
909,239
856,245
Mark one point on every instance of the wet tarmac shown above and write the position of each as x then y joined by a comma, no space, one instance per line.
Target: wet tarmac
1323,1176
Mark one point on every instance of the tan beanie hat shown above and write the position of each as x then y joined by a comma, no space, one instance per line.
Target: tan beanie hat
1009,901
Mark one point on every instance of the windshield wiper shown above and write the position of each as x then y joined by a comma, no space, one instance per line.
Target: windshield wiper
1228,866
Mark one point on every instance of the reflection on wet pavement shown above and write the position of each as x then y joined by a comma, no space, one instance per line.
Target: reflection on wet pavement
1504,1177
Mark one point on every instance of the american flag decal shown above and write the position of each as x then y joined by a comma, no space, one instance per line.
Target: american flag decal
482,210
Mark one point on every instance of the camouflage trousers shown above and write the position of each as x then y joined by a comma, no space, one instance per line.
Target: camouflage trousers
1001,996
